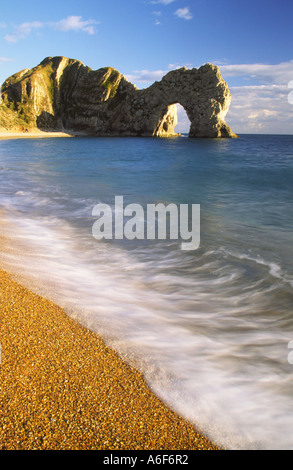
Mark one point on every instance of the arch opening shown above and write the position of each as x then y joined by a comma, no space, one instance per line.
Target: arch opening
183,122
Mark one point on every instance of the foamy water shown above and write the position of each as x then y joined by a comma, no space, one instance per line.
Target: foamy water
208,328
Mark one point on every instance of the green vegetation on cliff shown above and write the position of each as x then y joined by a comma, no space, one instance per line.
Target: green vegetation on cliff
10,120
111,80
25,94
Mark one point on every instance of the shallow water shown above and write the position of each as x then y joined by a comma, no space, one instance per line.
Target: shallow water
210,328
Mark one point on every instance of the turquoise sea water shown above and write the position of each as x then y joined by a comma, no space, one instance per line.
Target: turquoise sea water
209,328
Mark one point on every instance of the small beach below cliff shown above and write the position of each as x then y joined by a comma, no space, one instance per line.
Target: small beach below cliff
63,388
35,134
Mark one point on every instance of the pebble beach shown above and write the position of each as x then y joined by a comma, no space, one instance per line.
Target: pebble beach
63,388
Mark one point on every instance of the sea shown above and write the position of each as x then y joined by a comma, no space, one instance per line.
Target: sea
211,328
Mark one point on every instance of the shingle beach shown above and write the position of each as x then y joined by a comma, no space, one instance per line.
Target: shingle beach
63,388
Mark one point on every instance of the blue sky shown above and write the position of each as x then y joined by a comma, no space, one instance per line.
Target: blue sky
251,41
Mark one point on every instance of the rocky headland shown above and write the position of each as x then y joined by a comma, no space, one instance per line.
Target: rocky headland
64,95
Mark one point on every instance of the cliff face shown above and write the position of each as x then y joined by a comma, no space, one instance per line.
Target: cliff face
63,94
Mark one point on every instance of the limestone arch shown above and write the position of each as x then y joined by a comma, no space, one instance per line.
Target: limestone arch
201,92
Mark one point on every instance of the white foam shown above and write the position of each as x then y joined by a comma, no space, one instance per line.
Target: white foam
192,333
274,269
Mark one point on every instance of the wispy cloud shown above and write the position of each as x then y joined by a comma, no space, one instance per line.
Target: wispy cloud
157,20
262,106
179,65
23,30
146,76
150,76
163,2
263,73
260,109
5,59
184,13
71,23
75,23
157,15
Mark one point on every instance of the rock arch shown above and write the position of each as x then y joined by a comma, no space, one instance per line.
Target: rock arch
201,92
63,94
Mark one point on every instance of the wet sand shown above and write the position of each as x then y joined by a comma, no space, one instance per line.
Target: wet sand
63,388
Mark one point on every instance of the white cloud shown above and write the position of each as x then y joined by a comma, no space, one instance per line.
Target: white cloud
150,76
5,59
290,94
23,30
263,73
157,15
184,13
265,106
71,23
179,66
260,109
164,2
146,76
75,23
